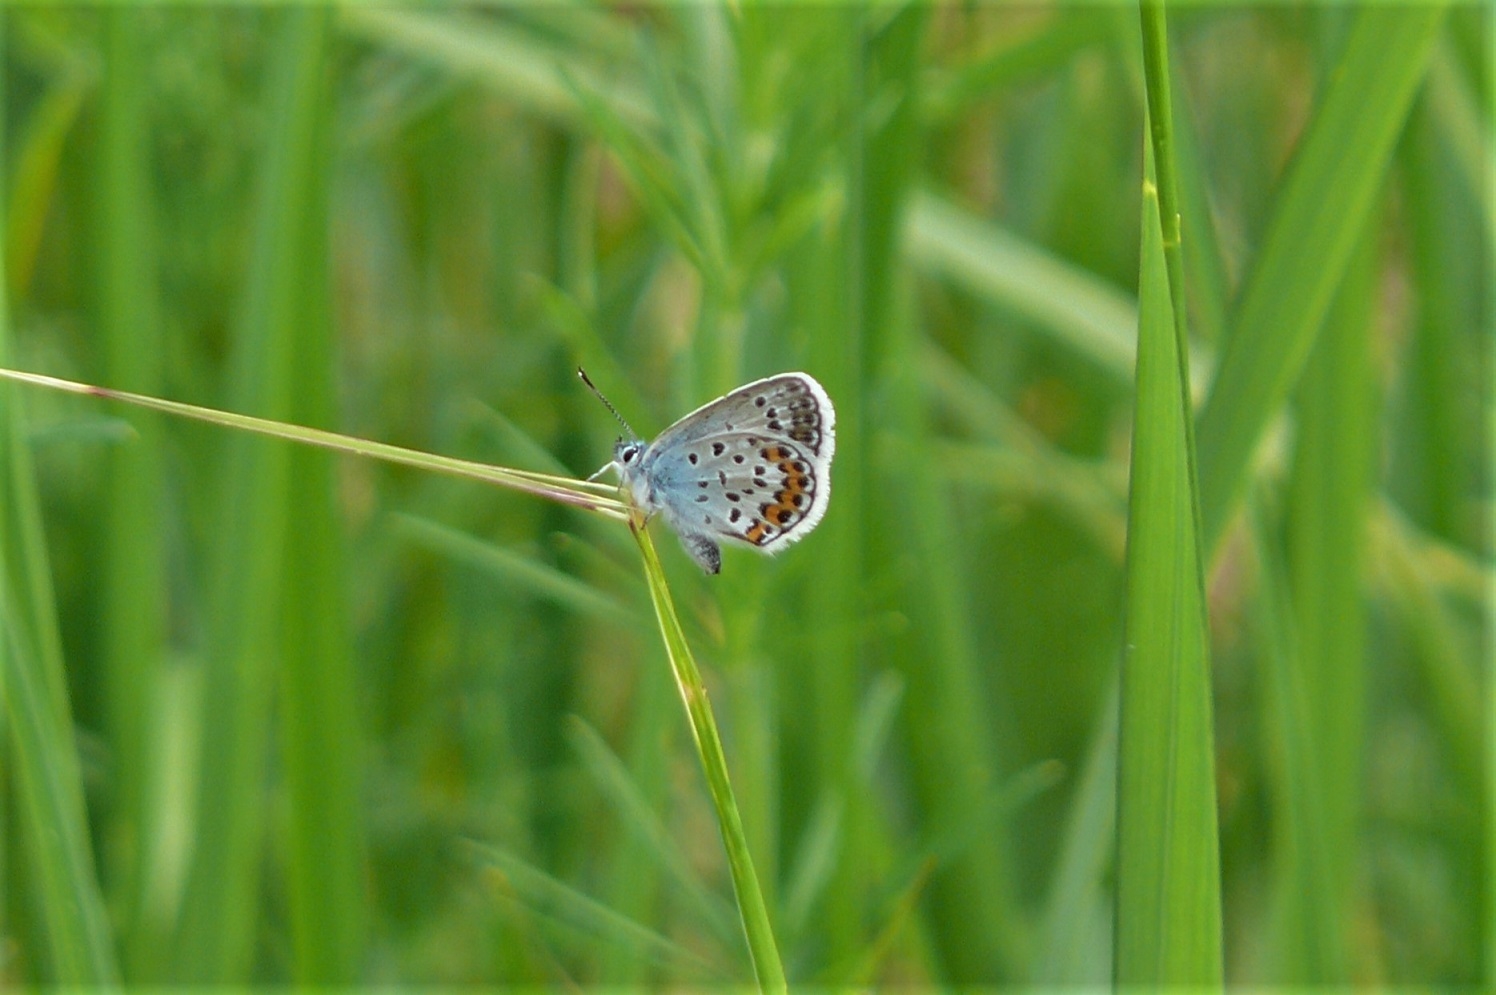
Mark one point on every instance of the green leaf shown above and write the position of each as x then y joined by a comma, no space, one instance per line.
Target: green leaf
1322,207
133,578
277,598
1168,901
51,868
1168,915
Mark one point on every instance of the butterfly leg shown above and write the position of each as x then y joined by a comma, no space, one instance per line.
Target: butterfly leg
610,465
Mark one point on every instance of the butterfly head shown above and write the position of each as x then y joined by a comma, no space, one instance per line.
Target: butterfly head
628,460
627,452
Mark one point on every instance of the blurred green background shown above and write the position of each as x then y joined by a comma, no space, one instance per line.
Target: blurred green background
330,721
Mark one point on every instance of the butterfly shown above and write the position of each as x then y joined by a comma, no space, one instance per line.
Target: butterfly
752,468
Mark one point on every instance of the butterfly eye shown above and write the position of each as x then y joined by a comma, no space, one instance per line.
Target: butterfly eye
627,453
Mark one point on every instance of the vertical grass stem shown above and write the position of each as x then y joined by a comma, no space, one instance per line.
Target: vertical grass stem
760,935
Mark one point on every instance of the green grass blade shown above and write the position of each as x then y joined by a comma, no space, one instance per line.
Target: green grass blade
221,911
1450,251
644,823
541,894
848,300
71,927
1044,52
322,747
1077,924
1419,579
1303,932
1462,126
53,852
1416,584
1092,317
51,846
639,883
133,579
1334,458
1321,208
1168,911
34,175
523,572
1209,285
544,81
971,898
1168,903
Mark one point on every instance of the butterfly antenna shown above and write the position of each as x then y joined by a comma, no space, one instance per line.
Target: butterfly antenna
606,403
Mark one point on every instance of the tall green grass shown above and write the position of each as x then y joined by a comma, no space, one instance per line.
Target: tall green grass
1168,923
1016,713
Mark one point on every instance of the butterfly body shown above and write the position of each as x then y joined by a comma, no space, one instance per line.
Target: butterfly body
751,468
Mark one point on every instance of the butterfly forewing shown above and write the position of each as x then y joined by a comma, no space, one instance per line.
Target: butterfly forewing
789,406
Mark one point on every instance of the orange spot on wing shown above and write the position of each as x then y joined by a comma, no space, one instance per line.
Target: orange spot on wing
784,512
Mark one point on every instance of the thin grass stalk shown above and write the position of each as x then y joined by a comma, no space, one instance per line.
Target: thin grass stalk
767,965
567,490
1160,117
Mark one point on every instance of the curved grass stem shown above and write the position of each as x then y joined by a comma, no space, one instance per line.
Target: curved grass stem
583,494
755,915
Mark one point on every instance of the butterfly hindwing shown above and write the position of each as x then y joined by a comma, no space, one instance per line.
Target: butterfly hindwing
741,487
